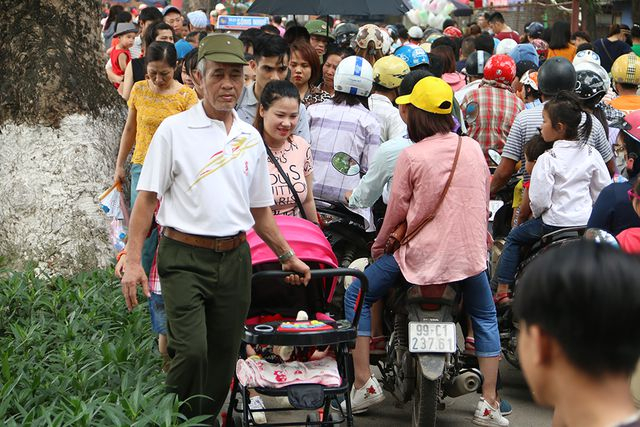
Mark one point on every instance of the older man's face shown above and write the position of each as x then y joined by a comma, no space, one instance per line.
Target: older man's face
221,86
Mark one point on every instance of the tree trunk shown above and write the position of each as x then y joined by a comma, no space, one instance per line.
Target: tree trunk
60,122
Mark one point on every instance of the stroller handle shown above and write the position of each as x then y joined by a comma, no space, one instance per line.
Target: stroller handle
327,273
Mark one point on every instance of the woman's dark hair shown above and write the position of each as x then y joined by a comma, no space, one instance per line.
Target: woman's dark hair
485,42
296,32
632,147
309,55
248,36
570,291
635,31
123,17
560,35
410,80
273,91
152,31
454,44
474,30
535,147
436,65
161,51
350,100
615,29
448,59
334,49
582,35
270,29
190,61
423,124
585,46
150,14
113,13
566,108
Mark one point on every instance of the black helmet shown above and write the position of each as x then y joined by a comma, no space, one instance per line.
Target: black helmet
535,30
555,75
345,32
476,62
590,84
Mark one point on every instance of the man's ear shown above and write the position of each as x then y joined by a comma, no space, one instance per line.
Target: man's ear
546,347
253,65
197,77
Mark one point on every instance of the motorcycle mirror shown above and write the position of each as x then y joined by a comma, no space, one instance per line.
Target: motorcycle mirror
345,164
494,156
601,237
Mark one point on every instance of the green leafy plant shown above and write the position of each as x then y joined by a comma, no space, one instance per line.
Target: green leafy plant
71,354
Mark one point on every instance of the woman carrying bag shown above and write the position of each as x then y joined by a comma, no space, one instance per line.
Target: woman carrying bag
435,232
290,162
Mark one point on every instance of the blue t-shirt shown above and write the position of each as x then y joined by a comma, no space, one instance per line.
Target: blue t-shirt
613,212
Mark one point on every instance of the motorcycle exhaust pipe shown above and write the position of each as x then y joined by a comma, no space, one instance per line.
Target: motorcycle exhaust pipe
465,383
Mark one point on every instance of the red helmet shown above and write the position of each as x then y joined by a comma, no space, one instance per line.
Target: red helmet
452,31
632,125
500,68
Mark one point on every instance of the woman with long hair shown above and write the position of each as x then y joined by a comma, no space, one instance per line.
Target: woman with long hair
613,46
304,66
560,44
110,24
459,178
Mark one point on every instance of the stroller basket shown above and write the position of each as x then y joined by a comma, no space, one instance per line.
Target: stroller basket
321,333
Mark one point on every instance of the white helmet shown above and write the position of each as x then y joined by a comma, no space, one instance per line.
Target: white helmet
387,41
354,76
506,46
586,56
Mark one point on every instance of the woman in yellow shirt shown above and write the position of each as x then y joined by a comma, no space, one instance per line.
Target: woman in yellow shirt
560,44
151,101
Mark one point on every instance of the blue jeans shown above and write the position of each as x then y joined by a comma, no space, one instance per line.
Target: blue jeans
158,315
151,242
525,234
478,301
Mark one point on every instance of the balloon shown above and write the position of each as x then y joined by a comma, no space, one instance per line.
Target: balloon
448,9
433,7
415,4
413,17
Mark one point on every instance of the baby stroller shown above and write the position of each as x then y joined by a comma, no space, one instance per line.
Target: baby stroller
272,322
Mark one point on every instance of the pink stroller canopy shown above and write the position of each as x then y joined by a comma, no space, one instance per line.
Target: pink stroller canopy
304,237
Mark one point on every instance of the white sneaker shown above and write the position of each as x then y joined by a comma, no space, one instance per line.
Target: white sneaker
486,415
256,404
362,398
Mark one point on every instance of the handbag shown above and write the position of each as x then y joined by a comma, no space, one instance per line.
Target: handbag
398,236
288,181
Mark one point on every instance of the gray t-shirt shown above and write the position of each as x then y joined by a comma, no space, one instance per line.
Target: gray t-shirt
247,109
526,126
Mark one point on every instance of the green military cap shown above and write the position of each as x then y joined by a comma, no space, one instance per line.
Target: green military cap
318,28
222,48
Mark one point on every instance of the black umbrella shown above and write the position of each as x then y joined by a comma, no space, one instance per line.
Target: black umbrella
330,7
461,8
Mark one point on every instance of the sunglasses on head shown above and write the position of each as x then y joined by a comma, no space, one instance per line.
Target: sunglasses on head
632,195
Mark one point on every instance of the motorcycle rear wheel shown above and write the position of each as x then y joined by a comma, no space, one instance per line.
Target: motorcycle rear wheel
425,401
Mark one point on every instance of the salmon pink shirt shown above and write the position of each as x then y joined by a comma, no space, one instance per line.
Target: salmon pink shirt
453,246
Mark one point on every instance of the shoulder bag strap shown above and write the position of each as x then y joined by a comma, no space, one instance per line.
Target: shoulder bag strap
442,196
604,47
288,181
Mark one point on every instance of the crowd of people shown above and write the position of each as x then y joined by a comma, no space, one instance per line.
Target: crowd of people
225,131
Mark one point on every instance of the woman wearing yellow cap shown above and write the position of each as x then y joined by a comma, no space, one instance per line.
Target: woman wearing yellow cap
441,174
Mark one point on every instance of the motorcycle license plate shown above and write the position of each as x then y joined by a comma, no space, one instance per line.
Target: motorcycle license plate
494,205
432,337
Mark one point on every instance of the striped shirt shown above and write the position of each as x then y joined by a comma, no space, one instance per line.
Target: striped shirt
526,126
339,128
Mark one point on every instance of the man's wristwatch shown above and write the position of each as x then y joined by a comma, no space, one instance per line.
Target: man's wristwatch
285,256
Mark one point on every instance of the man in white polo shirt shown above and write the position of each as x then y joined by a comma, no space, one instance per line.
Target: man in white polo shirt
209,169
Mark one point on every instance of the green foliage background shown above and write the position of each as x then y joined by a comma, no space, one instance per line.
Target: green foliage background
71,354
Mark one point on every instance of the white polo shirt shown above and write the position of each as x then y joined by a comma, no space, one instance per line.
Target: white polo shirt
207,179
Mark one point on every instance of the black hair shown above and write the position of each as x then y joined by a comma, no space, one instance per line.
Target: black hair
152,31
114,11
350,100
445,54
191,36
123,17
635,31
582,35
277,19
423,124
410,80
448,23
161,51
273,91
190,61
296,32
546,35
468,46
448,41
585,295
566,108
560,35
627,86
535,147
150,14
270,29
248,36
485,43
585,46
632,147
615,29
268,46
334,49
496,17
436,65
403,33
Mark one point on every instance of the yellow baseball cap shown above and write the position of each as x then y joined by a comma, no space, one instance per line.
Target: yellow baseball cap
430,94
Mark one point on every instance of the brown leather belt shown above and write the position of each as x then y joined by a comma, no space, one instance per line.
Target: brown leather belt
217,244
